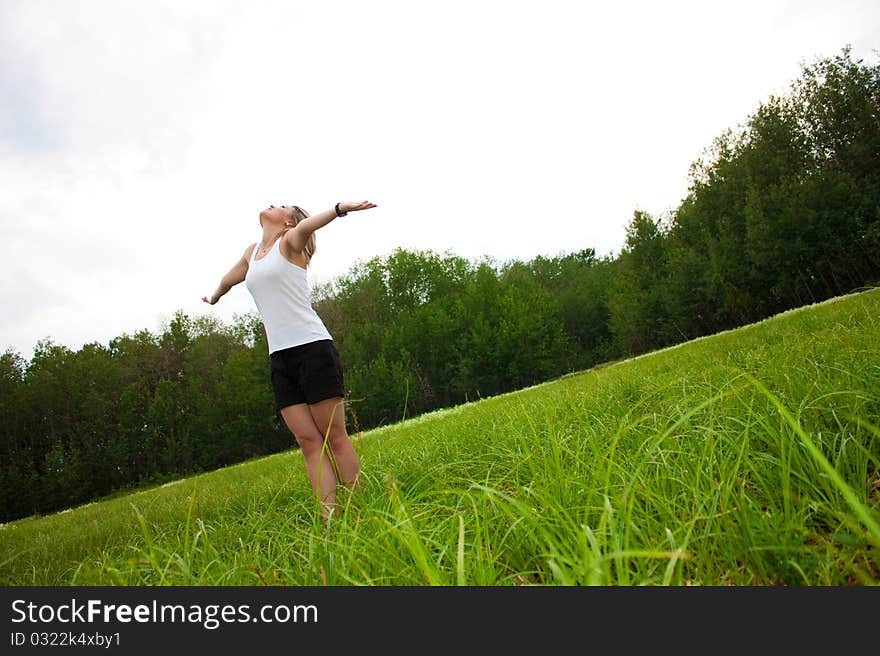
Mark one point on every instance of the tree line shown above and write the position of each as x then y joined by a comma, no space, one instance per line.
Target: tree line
782,211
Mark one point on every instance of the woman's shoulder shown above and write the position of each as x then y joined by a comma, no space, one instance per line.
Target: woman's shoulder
291,253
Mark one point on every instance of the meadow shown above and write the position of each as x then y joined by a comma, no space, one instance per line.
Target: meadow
750,457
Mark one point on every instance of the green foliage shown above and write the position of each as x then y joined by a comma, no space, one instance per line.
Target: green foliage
80,425
781,212
636,304
750,457
419,330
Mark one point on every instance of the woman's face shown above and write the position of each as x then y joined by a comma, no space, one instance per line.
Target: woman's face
276,214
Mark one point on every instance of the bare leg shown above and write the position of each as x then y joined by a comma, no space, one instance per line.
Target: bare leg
319,467
329,417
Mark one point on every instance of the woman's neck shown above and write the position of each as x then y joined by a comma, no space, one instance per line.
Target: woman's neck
271,233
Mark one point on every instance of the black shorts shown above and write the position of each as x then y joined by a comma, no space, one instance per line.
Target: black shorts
306,374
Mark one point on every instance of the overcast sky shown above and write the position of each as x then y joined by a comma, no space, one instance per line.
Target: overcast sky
140,139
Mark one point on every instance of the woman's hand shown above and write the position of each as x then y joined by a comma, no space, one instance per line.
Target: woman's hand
356,207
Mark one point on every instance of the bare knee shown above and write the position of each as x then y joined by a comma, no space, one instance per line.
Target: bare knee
338,438
308,440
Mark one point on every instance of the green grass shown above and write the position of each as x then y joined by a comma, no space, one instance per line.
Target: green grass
751,457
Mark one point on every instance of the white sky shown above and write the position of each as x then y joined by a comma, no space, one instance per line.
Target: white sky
140,139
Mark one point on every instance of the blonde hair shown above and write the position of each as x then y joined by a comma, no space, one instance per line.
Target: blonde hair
297,214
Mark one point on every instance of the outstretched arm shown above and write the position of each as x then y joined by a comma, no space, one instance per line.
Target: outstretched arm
298,237
234,276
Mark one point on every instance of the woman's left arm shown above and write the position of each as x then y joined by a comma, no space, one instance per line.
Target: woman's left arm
298,237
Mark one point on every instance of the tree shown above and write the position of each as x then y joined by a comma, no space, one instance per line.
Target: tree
638,316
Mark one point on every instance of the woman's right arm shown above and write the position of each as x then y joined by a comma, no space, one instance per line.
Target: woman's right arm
234,276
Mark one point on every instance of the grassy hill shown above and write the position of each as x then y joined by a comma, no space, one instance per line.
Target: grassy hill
750,457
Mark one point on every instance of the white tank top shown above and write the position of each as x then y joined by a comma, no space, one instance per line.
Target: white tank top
281,291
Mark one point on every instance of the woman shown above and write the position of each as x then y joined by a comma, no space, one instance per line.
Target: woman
307,378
